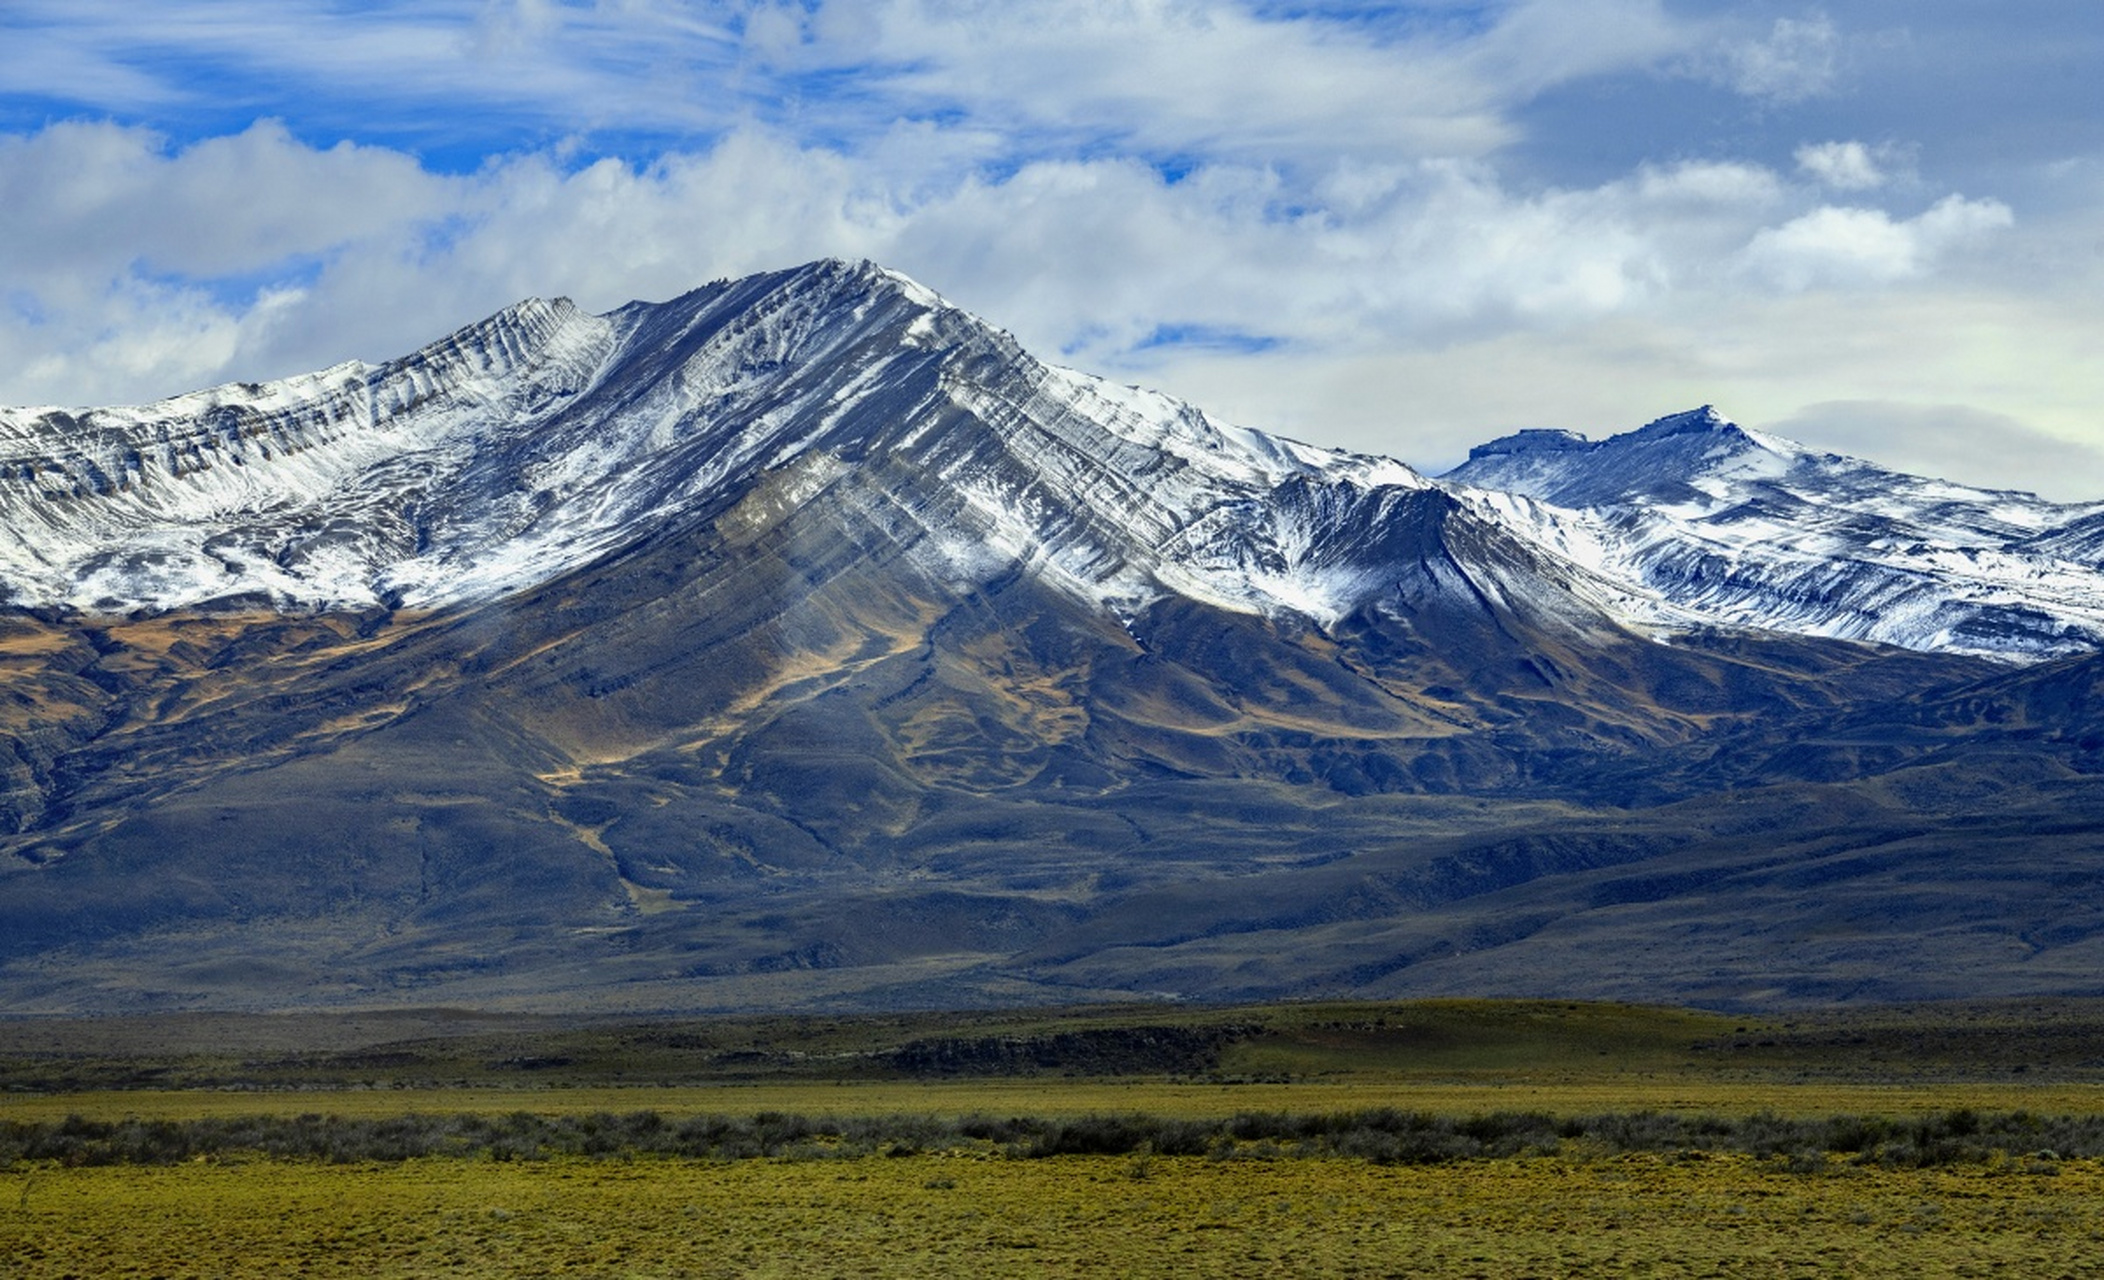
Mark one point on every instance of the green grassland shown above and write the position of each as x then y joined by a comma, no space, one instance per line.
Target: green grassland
1421,1138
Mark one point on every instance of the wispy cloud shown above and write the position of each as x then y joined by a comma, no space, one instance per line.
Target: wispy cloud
1162,77
1845,166
495,75
1796,59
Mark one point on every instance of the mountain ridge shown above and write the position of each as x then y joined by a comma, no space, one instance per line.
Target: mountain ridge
1741,528
811,645
517,448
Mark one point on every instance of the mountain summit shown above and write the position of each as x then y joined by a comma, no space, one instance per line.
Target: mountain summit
530,444
537,441
1748,530
803,640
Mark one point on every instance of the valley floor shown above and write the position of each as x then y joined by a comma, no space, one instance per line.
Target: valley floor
1471,1138
944,1215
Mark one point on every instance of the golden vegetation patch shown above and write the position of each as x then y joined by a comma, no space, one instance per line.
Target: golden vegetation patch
1064,1098
1437,1138
1072,1216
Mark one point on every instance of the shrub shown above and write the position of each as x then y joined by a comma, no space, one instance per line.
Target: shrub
1379,1135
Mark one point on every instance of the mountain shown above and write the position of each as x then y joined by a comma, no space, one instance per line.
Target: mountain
1696,515
543,438
802,641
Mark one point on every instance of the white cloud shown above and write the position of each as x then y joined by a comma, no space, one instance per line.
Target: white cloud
1168,78
1844,166
1090,175
1799,58
78,201
1539,44
1721,185
638,64
138,270
133,270
1834,245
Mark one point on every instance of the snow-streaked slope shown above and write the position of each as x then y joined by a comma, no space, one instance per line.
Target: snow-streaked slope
1702,519
543,438
304,492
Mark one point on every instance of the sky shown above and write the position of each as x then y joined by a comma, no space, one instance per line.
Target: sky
1876,226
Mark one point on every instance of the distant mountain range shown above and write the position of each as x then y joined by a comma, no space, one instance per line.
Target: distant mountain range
803,641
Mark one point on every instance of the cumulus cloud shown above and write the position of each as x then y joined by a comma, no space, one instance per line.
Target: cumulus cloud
78,200
134,268
255,255
1834,245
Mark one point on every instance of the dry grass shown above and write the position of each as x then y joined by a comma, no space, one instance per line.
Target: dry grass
964,1209
1075,1216
1056,1098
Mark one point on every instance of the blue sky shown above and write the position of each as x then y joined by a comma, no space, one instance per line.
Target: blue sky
1876,226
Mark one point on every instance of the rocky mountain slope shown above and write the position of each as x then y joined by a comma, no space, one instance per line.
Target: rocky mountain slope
804,641
1746,529
543,438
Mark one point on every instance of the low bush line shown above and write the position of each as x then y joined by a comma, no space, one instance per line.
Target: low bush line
1384,1136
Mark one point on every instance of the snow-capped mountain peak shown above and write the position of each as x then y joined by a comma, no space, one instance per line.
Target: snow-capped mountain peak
1681,457
544,438
1752,530
537,440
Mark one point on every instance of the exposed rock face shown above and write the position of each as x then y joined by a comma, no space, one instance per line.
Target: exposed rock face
803,640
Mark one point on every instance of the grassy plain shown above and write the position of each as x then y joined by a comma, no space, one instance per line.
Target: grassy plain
1072,1216
1578,1206
1063,1097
